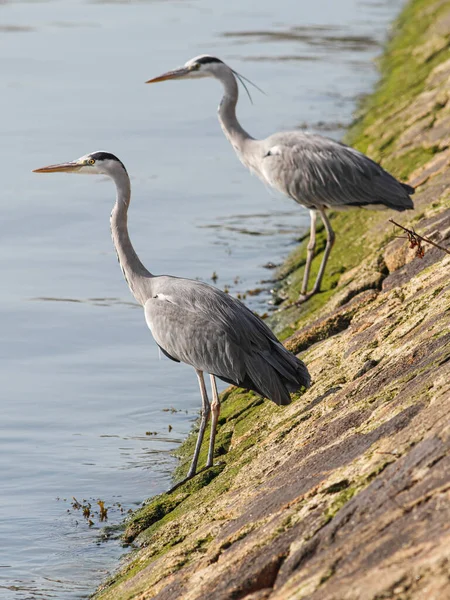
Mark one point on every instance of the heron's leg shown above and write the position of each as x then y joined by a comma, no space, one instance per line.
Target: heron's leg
309,251
206,409
215,412
326,254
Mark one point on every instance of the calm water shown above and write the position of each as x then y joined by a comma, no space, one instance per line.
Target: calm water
81,379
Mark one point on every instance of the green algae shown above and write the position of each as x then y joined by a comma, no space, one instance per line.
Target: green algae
337,487
403,77
349,489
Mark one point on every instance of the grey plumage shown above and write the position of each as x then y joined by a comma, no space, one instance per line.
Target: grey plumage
320,172
198,324
195,323
315,171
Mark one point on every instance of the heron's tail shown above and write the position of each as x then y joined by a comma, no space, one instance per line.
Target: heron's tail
391,193
275,373
408,189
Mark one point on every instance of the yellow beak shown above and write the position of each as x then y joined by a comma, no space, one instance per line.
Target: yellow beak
175,74
68,167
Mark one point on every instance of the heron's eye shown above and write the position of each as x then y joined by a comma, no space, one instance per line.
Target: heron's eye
91,161
196,66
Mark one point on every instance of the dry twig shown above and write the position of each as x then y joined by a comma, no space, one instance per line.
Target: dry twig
415,240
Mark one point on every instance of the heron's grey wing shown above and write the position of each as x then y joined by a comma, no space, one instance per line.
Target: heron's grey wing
190,337
208,329
319,172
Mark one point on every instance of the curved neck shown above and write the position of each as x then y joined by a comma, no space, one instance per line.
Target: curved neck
235,134
136,275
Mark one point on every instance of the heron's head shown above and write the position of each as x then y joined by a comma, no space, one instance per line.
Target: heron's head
96,163
205,66
200,66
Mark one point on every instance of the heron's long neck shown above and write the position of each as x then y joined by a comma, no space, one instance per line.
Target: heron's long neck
136,275
235,134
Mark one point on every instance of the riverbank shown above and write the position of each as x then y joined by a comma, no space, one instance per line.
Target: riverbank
345,493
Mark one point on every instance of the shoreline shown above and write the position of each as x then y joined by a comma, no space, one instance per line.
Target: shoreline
327,495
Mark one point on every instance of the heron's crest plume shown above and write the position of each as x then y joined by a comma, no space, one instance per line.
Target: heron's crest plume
205,59
241,79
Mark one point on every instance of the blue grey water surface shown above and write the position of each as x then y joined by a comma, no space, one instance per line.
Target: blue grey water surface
81,379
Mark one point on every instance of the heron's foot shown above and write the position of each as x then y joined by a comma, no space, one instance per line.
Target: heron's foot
189,476
180,483
211,463
304,297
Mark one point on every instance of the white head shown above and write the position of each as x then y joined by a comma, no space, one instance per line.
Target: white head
200,66
96,163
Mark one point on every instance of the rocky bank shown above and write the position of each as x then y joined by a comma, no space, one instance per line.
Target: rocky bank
344,494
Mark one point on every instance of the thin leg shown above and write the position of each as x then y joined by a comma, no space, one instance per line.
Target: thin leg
206,409
326,254
309,251
328,247
215,412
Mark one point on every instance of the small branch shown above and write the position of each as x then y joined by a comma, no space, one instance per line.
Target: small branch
415,239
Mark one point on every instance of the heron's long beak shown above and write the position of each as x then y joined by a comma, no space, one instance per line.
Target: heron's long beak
68,167
175,74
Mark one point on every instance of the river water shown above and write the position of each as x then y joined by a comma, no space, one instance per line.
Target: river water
89,409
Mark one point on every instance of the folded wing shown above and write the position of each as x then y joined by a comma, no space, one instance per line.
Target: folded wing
199,325
319,172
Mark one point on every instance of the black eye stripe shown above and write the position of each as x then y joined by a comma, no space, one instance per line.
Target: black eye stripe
207,59
106,156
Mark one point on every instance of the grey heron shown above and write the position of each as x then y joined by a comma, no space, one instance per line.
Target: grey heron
313,170
193,322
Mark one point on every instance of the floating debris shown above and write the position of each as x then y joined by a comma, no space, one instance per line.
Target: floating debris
75,504
85,507
255,291
103,514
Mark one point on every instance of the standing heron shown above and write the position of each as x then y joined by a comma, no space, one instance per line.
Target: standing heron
313,170
193,322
